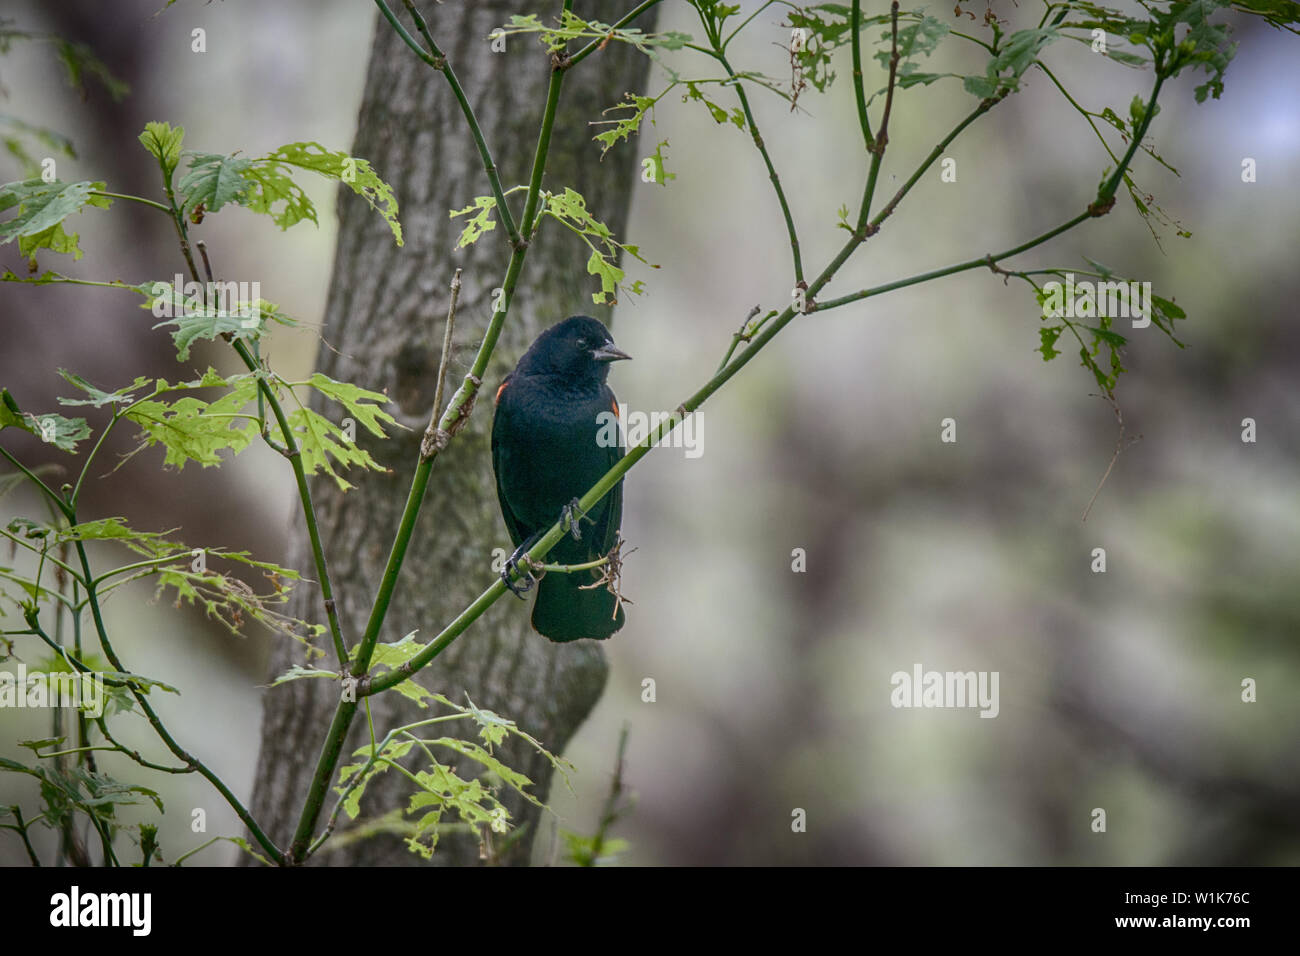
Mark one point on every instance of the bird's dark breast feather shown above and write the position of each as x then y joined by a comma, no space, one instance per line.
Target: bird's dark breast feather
551,461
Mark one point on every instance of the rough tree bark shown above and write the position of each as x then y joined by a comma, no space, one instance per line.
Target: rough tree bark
383,329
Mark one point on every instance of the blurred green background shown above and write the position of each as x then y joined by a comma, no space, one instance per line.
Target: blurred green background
1119,690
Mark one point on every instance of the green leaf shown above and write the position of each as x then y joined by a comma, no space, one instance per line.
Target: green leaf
573,27
110,529
298,672
266,185
394,655
163,141
78,60
477,224
357,174
214,180
635,108
1126,58
1106,271
695,91
981,87
141,683
393,751
1003,71
42,208
1048,336
36,746
320,440
655,161
195,430
491,727
1137,112
610,276
13,766
1108,337
1022,48
512,778
356,400
193,322
98,397
916,39
1164,313
62,433
274,193
1111,117
823,28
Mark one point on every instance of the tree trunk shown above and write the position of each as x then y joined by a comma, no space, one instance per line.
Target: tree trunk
383,329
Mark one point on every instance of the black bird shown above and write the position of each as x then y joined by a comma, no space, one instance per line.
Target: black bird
550,443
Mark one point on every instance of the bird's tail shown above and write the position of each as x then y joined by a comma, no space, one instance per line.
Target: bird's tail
566,612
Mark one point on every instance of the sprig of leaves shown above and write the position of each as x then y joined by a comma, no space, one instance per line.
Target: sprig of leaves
573,27
265,184
440,792
570,209
1097,303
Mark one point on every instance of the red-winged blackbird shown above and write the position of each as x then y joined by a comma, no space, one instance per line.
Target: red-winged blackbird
546,452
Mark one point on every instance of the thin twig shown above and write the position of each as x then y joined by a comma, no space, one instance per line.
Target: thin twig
743,334
882,140
1120,445
435,439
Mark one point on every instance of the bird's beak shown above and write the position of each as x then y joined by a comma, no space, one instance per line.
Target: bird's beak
609,352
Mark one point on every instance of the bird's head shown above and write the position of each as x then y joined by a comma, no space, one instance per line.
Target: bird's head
577,348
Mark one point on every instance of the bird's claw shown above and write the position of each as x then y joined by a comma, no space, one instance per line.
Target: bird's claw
570,516
525,584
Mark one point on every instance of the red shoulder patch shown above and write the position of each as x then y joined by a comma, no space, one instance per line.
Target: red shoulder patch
497,401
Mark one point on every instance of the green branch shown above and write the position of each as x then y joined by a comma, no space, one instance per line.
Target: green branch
864,121
877,146
1107,192
543,142
988,261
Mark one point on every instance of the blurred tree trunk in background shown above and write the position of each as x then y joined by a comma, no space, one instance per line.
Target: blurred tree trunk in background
383,329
